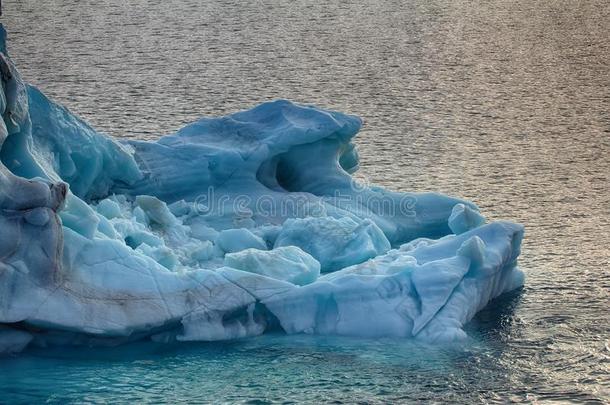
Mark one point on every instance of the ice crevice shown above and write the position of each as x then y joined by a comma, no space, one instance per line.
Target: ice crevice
228,228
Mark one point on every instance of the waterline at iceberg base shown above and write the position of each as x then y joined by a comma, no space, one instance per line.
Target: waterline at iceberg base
229,228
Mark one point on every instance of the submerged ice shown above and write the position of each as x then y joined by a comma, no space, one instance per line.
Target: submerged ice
229,228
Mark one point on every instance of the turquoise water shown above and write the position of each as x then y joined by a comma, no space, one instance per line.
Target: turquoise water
505,103
279,368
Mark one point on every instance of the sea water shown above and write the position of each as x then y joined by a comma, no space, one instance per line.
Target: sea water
505,103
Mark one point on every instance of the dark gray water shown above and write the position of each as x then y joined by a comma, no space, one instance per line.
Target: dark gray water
506,103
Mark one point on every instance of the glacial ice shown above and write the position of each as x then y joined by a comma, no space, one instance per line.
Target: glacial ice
288,263
229,228
336,243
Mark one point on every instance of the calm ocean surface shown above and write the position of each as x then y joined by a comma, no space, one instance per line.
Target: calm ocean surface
506,103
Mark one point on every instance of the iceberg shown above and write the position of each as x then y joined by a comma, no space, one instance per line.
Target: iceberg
229,228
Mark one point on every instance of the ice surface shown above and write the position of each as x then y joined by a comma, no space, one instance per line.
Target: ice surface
288,263
429,291
335,243
464,218
221,231
235,240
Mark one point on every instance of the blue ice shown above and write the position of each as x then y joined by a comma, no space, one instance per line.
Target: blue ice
230,227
